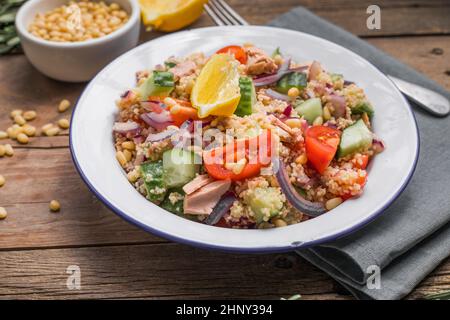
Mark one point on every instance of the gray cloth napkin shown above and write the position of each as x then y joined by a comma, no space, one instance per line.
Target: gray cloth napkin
412,236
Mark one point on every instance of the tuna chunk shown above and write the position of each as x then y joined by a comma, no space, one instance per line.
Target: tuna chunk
183,69
259,62
197,183
205,199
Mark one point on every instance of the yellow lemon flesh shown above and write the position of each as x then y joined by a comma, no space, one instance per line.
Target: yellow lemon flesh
216,91
170,15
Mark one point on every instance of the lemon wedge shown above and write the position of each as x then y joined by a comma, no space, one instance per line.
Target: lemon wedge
170,15
216,91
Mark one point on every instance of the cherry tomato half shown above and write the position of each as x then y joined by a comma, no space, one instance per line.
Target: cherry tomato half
321,145
237,51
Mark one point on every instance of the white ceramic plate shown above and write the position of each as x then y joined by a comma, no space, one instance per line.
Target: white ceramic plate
93,152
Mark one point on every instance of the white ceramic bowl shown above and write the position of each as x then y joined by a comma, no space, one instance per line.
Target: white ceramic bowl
75,61
93,152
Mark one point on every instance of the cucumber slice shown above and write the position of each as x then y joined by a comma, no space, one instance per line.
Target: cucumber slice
310,109
363,107
248,97
292,80
174,207
159,84
179,167
152,173
355,138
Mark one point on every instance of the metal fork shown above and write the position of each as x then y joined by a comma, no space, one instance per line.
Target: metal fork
435,103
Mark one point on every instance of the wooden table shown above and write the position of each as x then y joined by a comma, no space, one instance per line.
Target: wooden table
118,260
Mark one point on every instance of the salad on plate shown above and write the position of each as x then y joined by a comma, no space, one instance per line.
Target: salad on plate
245,139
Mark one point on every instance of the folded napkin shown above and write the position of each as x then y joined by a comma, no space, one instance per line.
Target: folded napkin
413,235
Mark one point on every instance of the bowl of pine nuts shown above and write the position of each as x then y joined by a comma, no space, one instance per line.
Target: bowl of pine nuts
73,40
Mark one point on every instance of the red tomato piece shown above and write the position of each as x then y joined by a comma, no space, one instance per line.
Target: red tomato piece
238,52
321,144
257,151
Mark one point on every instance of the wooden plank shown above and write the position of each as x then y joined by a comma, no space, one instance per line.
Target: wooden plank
159,271
83,219
400,17
172,271
36,176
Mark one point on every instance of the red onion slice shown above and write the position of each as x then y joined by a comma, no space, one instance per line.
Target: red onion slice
156,137
126,127
154,124
338,103
221,208
312,209
287,111
314,70
378,145
276,95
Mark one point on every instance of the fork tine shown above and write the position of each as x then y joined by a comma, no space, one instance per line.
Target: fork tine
233,13
219,6
217,20
219,12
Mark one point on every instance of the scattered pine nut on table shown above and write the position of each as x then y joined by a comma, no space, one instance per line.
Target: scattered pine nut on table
3,213
64,105
55,206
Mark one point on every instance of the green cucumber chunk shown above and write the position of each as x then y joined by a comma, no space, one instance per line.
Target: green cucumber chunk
363,107
179,167
152,173
292,80
265,203
159,84
310,109
248,97
335,77
174,201
355,138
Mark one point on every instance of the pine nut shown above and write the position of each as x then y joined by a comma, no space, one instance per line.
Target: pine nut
63,123
9,151
47,126
55,206
3,213
128,155
294,122
301,159
293,92
52,131
280,223
133,176
2,181
19,120
129,145
15,113
333,203
3,134
29,130
22,138
64,105
2,150
29,115
121,158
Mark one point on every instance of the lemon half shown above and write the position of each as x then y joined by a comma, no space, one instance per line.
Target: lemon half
170,15
216,91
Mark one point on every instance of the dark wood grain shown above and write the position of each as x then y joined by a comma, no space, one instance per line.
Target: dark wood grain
118,260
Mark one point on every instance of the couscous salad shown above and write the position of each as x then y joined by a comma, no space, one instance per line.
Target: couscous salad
244,138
